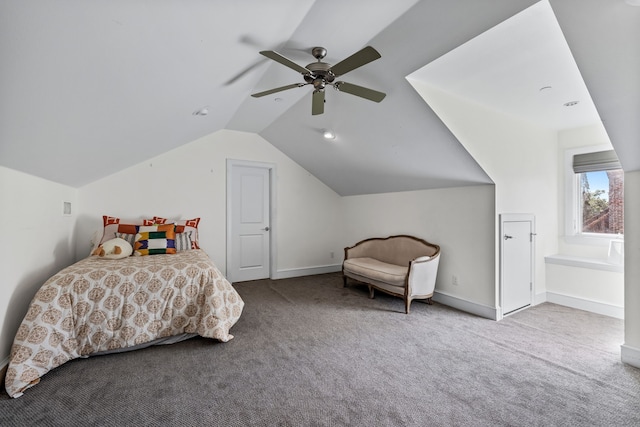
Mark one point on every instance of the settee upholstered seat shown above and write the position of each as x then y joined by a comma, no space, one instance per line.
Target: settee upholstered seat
403,266
377,270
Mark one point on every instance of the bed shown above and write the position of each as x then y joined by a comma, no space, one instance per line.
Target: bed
101,305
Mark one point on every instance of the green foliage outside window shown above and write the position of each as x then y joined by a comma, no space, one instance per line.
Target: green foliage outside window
601,209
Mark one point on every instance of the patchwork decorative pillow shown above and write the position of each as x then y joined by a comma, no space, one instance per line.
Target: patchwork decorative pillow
183,241
182,226
155,239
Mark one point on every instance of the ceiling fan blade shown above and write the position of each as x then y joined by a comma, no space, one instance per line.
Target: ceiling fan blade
317,104
358,59
278,89
363,92
284,61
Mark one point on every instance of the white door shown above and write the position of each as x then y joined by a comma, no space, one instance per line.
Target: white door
248,211
517,232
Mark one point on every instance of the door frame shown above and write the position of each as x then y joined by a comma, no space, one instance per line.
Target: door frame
520,217
231,163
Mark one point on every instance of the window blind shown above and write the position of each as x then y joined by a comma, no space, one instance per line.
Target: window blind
598,161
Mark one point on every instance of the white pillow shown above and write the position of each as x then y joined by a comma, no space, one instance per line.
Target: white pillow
109,248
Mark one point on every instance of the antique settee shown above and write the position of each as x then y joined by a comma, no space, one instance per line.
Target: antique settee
403,266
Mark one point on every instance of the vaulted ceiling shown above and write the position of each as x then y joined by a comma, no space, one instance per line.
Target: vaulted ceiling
90,88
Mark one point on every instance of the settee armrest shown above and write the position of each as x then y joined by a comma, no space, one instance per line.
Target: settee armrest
422,275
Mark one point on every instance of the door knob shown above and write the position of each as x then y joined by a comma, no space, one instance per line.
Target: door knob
266,228
507,237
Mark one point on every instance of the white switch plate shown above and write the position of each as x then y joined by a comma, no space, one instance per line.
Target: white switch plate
66,208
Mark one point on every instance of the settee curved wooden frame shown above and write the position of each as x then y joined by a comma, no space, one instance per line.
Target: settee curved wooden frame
402,265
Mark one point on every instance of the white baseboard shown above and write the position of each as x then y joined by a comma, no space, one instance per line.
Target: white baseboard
586,304
630,355
306,271
464,305
539,298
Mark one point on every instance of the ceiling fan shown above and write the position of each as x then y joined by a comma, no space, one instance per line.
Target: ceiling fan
321,74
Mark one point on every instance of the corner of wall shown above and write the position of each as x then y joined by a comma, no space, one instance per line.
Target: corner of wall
630,355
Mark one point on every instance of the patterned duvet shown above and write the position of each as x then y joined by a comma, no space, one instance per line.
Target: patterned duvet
98,305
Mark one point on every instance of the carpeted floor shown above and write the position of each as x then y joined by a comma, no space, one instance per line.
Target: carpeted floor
310,353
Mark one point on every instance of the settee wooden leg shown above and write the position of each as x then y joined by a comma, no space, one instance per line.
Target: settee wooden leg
429,301
371,292
407,304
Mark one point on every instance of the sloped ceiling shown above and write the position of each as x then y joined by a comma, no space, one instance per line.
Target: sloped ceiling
540,82
90,88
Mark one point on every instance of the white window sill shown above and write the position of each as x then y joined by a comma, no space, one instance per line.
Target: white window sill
592,263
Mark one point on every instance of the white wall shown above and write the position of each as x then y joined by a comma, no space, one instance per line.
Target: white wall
586,288
631,348
583,287
460,220
190,182
519,157
37,242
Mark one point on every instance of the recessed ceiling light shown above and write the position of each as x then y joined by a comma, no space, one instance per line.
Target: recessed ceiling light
571,103
329,134
201,112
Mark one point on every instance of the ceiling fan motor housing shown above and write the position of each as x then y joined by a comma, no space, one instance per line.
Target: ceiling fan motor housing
320,70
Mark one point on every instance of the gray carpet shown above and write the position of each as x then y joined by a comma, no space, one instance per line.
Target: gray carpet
310,353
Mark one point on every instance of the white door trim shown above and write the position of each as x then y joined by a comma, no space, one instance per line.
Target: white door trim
515,218
231,163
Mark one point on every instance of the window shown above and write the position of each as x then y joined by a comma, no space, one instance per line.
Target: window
597,186
601,210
